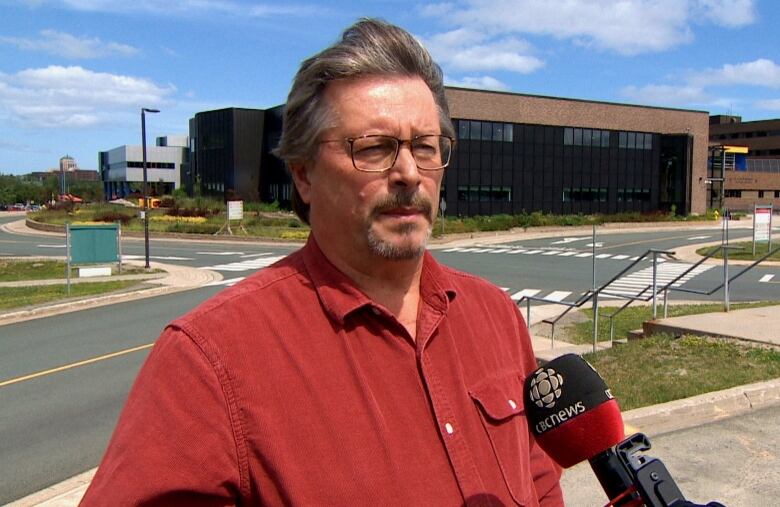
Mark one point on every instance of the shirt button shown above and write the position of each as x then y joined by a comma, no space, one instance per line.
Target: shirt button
512,404
449,428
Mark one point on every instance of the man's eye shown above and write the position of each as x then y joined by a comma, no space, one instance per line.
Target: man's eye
373,148
426,148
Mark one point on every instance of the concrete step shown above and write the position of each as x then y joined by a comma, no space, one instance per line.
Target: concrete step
636,334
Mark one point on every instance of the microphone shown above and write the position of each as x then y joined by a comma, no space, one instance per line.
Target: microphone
574,417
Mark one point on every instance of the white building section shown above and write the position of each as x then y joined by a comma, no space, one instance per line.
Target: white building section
123,165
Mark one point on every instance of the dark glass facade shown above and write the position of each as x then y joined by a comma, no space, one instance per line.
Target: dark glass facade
497,167
513,167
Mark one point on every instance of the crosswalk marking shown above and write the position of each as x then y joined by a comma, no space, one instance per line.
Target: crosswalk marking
766,278
525,292
546,252
229,282
247,265
634,283
558,295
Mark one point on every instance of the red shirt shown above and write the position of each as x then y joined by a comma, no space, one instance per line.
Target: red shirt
294,388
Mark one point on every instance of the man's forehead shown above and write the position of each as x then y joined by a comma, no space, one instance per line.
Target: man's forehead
377,96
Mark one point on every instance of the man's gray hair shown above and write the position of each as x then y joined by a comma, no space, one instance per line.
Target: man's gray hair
370,47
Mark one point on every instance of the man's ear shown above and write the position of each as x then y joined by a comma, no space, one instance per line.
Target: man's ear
300,176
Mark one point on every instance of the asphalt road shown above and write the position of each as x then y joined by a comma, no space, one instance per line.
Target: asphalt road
57,424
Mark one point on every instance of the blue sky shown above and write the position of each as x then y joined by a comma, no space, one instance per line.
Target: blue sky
75,73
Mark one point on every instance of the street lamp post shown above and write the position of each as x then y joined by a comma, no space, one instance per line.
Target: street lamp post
145,110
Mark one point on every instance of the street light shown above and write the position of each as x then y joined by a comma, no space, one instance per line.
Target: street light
145,110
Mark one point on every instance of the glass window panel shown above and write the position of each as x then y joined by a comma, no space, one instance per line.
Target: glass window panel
568,137
631,144
487,131
596,138
586,133
605,138
578,137
475,129
648,141
508,133
463,130
498,131
622,139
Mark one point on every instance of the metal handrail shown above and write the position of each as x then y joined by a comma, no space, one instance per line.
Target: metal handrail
590,295
593,294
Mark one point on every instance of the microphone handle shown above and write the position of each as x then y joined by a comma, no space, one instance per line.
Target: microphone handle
615,479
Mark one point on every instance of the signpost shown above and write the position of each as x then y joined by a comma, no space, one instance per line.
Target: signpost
442,209
235,211
92,244
762,225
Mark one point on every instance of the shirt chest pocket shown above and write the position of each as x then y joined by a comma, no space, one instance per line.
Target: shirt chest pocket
499,400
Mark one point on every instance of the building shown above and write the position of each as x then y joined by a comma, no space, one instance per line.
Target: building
750,154
514,153
230,155
121,169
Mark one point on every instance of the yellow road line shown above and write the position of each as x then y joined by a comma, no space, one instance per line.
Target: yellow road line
74,365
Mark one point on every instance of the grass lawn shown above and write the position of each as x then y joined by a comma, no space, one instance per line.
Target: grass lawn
17,270
746,254
632,317
661,368
17,297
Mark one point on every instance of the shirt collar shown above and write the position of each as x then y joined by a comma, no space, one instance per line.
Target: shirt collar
340,297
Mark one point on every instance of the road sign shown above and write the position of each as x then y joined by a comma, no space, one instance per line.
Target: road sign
762,225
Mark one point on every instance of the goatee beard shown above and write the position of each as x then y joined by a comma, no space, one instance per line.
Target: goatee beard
407,250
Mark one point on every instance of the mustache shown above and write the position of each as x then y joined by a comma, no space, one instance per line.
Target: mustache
404,201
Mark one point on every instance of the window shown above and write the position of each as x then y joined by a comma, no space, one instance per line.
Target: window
584,194
487,135
760,194
475,129
484,193
508,133
777,194
498,132
623,140
568,136
463,129
729,192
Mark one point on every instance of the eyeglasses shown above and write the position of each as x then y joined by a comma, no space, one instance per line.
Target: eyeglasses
378,153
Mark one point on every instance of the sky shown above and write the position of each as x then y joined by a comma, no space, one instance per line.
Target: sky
74,74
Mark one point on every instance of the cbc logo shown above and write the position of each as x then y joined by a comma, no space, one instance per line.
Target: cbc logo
546,387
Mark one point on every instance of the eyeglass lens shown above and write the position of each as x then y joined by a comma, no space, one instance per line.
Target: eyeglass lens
378,153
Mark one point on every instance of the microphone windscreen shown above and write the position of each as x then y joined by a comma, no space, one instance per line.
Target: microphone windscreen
571,411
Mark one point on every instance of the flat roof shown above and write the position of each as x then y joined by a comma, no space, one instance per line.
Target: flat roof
549,97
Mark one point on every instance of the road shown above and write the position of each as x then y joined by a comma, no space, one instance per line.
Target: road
57,424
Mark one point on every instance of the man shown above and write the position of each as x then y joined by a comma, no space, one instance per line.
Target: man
357,371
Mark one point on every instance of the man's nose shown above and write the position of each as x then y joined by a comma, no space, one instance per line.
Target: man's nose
405,171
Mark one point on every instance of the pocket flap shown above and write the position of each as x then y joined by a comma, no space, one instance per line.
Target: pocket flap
500,397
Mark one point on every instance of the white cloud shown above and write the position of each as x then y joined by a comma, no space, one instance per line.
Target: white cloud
70,46
728,13
771,104
231,8
482,83
75,97
624,26
761,72
667,95
470,51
